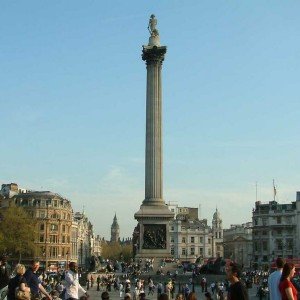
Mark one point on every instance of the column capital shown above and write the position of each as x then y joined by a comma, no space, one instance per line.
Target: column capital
154,54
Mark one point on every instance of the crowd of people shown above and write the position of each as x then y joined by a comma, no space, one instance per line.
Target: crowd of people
29,284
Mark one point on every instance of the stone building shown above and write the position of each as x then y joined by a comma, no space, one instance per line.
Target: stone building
115,230
217,235
276,230
54,222
84,236
97,246
191,238
238,243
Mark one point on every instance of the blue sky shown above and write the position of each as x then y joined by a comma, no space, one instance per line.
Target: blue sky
72,95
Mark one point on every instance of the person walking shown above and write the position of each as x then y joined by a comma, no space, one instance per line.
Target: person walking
274,280
287,289
5,272
34,282
237,291
72,283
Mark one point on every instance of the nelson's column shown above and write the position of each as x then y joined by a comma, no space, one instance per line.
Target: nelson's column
153,217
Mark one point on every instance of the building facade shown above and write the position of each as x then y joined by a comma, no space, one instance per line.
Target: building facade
238,243
53,214
84,239
191,238
276,231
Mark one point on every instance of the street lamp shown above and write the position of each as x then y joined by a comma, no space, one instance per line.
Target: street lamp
67,257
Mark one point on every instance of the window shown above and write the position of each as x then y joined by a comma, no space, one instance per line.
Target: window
289,244
55,216
63,239
172,239
42,227
279,244
53,251
278,220
63,228
255,246
220,235
216,235
183,251
41,238
192,251
264,221
183,239
209,241
172,228
192,239
53,227
42,214
201,251
265,246
201,239
53,238
172,251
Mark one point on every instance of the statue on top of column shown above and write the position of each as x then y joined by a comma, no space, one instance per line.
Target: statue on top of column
152,26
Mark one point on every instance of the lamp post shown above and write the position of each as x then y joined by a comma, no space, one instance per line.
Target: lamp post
67,257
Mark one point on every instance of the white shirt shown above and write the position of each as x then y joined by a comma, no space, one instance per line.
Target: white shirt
72,285
273,285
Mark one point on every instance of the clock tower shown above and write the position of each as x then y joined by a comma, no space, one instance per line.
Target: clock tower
115,230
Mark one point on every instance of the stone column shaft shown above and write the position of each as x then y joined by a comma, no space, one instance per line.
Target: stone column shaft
153,170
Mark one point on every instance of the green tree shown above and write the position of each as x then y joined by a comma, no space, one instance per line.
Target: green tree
17,232
111,251
115,251
127,252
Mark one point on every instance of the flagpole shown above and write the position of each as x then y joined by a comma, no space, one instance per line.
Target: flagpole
274,190
256,191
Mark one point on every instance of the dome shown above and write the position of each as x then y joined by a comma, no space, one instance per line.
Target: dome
216,215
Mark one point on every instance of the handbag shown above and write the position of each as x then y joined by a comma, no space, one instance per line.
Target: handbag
21,295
